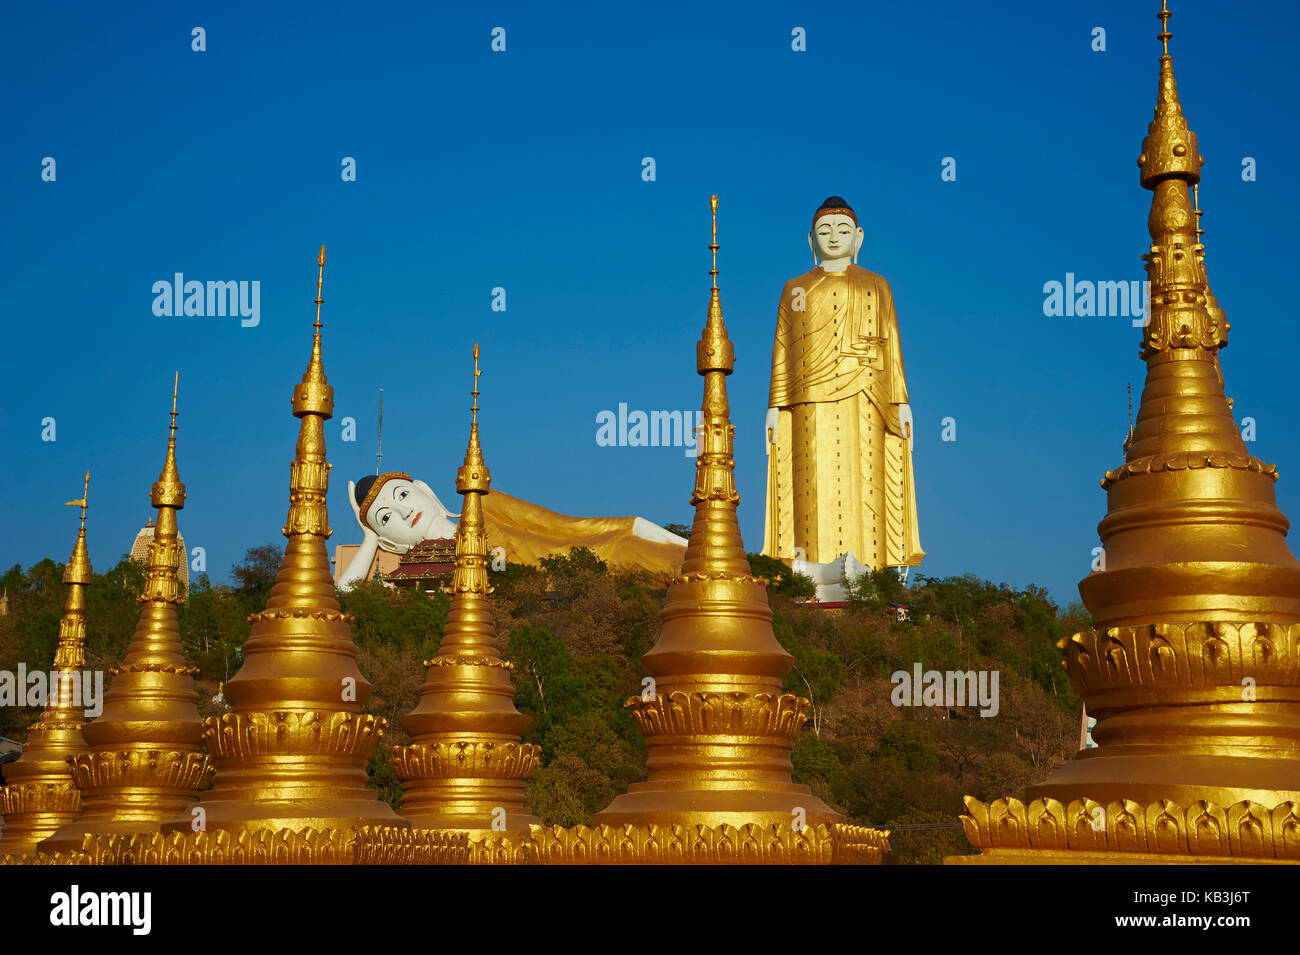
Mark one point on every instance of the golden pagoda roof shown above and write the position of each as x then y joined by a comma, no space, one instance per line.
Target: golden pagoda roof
145,764
1192,669
292,752
40,795
716,722
467,764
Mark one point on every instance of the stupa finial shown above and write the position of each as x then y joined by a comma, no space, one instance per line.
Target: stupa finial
713,204
83,501
168,491
313,396
78,567
474,406
1170,148
320,283
473,477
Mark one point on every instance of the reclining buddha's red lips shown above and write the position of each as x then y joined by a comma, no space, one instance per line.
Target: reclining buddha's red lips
416,519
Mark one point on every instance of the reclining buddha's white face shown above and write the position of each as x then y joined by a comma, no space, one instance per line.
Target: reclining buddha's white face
405,513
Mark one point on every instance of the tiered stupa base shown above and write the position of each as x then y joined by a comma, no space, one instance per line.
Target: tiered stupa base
459,785
655,844
1046,832
34,811
365,845
838,844
128,792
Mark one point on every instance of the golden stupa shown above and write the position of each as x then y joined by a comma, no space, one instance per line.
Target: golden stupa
466,766
40,795
146,764
1193,668
291,756
718,727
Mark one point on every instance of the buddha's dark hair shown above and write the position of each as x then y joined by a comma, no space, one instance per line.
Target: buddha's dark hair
362,488
835,204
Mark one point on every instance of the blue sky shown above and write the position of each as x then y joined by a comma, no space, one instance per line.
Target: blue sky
522,170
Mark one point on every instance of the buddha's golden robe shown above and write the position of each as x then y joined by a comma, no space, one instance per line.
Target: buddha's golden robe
529,532
840,470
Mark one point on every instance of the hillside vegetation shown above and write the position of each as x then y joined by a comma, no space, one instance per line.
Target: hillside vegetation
575,633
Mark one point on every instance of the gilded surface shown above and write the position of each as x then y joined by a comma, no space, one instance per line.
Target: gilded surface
528,532
244,736
840,468
739,714
1187,661
1191,671
365,845
109,772
290,780
466,758
1244,830
146,763
652,844
717,726
40,796
466,766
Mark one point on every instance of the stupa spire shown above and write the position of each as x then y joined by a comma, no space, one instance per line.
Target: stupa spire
292,753
146,763
715,545
1199,591
466,766
717,725
1189,493
40,795
1192,669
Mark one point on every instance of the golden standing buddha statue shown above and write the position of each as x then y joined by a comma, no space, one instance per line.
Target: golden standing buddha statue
839,425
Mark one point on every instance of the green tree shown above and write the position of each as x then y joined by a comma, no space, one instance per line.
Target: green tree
816,673
782,581
381,776
590,766
547,687
257,571
876,588
911,744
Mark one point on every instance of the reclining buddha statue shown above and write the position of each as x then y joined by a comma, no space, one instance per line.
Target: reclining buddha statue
402,518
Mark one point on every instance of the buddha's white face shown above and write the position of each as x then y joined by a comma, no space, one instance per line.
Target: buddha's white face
405,513
835,236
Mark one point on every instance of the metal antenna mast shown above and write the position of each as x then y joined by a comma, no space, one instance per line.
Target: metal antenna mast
379,453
